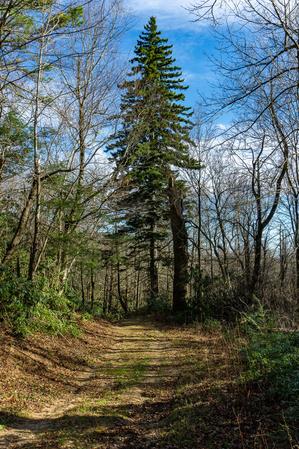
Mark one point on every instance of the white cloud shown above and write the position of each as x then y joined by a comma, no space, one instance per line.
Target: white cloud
172,6
177,12
173,13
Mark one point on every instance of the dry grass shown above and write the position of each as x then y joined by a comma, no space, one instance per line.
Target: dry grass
40,369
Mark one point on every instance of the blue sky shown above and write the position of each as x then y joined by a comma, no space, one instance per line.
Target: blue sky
192,42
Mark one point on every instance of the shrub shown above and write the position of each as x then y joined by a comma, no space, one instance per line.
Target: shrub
114,315
212,326
218,301
160,305
259,319
28,307
51,321
272,360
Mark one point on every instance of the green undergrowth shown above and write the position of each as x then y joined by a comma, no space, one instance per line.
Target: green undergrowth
270,371
271,357
272,361
114,315
251,393
27,307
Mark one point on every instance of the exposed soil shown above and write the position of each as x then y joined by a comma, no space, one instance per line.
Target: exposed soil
136,385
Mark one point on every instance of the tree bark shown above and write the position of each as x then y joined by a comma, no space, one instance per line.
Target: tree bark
122,302
180,247
22,224
199,258
137,290
153,271
37,171
92,289
82,288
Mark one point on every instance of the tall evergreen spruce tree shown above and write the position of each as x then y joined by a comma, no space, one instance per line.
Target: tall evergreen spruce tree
152,143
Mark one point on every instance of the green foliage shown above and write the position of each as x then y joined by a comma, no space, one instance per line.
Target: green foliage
156,124
257,320
72,16
271,357
28,307
38,4
272,360
14,142
114,315
160,305
52,321
86,316
214,300
15,290
212,326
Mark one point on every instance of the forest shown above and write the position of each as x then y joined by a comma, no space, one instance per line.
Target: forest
139,220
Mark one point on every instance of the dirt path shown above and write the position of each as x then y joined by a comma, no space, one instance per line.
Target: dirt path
135,385
122,401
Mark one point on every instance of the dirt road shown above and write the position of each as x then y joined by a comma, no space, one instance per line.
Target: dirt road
122,401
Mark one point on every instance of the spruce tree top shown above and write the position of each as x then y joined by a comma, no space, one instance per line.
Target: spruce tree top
154,61
155,122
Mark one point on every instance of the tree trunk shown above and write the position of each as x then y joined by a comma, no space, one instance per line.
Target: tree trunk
82,289
296,239
180,247
137,290
282,258
37,169
105,298
22,224
153,271
92,287
35,242
110,291
122,302
297,272
199,258
257,263
247,267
